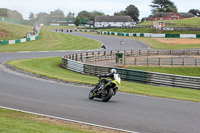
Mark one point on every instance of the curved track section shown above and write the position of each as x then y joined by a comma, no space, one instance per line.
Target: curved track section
113,42
125,111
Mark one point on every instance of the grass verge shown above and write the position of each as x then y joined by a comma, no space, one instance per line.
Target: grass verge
148,30
52,41
18,122
50,67
185,71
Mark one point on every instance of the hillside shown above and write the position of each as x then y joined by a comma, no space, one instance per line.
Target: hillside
188,21
10,31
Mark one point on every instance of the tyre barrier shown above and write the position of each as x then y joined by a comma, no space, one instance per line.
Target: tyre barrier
75,62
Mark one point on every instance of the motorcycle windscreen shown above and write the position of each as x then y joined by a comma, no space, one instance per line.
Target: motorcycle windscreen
117,78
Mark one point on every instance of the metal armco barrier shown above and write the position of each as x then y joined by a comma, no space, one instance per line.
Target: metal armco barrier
71,62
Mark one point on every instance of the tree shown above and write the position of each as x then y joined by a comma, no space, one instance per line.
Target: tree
196,12
95,13
57,14
10,13
163,6
31,16
77,21
70,15
121,13
143,19
42,15
131,11
89,16
84,15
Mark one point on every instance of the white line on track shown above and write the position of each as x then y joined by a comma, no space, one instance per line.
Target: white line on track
70,120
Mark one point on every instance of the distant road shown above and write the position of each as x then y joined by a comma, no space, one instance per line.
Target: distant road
113,42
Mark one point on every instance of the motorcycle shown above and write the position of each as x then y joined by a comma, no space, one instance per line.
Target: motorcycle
105,91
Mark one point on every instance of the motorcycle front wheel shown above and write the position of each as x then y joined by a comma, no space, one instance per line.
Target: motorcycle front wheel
107,96
91,95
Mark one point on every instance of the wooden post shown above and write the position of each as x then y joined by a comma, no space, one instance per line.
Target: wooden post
183,62
139,52
196,62
135,61
124,61
159,61
171,61
81,57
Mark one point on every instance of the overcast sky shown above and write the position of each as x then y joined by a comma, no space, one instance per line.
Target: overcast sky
106,6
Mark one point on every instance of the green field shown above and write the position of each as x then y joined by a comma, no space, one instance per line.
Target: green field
188,21
50,67
17,122
52,41
13,31
186,71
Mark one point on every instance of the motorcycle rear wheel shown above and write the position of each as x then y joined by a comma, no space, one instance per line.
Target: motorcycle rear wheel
108,96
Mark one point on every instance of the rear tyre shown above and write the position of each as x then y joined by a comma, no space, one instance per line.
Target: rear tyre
91,95
108,95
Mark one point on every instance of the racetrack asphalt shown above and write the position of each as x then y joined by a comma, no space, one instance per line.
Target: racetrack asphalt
137,113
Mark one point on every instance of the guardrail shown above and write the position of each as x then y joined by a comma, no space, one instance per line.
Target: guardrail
75,62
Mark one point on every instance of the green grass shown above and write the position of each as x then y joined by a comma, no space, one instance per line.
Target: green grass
186,71
148,30
188,21
50,67
134,30
17,122
14,31
52,41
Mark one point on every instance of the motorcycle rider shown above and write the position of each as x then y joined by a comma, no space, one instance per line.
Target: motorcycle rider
110,75
103,46
104,82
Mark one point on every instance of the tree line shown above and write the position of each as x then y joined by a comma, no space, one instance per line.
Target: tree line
4,12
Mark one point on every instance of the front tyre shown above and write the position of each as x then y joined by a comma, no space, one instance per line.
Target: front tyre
91,95
108,95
